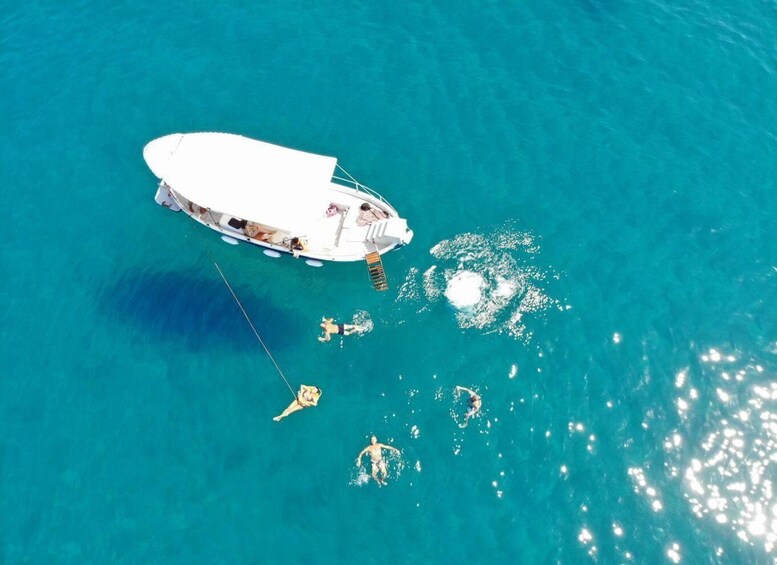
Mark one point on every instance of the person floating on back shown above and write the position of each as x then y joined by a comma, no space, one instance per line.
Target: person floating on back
378,463
330,328
306,397
475,403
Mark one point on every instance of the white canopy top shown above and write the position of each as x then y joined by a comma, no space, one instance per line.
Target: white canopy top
268,184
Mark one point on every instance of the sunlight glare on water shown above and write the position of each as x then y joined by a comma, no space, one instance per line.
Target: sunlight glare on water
728,480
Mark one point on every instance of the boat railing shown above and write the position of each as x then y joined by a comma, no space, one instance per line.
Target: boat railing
359,187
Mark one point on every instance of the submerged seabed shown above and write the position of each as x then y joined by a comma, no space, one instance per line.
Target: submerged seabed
592,189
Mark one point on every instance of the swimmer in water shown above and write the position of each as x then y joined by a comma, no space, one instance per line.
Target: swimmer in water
306,397
474,404
330,328
378,463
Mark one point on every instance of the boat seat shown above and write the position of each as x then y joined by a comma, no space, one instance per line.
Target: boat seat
376,230
355,234
390,229
258,231
224,223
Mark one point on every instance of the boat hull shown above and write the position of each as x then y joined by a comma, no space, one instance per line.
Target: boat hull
268,196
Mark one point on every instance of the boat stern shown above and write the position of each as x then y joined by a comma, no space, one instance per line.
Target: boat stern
391,231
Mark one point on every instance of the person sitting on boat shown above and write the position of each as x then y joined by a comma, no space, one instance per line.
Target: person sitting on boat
195,209
255,231
475,403
306,397
297,246
330,328
369,215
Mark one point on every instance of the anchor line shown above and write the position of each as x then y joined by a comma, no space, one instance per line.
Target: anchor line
243,310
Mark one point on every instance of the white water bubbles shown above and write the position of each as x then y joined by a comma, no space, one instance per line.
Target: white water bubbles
359,477
362,320
490,281
465,290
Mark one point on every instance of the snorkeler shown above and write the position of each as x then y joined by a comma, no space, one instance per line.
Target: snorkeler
378,463
330,328
474,404
306,397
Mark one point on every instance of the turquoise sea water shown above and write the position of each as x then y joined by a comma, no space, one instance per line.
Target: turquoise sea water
607,168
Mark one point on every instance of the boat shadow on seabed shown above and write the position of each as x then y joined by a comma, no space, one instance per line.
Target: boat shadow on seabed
195,312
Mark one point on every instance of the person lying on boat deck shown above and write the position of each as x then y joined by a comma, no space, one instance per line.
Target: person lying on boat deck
297,246
330,328
369,214
255,231
306,397
195,209
378,463
475,403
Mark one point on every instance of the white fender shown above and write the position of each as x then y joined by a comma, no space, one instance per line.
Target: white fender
165,199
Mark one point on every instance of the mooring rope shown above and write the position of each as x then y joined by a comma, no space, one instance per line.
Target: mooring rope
242,309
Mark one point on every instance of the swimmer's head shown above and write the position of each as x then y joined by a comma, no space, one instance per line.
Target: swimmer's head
373,440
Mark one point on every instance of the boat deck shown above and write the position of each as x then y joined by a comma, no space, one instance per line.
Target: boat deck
334,236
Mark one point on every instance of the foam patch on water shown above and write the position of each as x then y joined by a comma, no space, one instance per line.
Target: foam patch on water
359,477
409,291
464,290
490,281
362,319
395,463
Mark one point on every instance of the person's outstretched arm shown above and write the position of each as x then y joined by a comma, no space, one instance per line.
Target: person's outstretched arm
472,392
359,458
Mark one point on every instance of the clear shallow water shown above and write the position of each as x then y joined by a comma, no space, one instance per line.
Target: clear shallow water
627,369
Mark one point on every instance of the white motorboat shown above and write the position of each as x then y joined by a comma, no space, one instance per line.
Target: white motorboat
281,199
